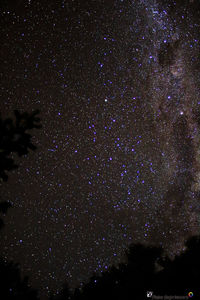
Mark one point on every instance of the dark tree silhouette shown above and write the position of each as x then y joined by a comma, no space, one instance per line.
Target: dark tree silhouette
182,274
14,138
129,280
146,269
12,285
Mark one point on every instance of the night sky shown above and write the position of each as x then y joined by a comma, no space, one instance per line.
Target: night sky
117,159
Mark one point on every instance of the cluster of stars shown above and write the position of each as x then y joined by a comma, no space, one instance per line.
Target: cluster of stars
115,84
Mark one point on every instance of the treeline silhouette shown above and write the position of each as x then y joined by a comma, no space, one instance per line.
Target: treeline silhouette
14,138
146,269
12,285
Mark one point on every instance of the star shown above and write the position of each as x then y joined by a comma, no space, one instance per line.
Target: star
117,159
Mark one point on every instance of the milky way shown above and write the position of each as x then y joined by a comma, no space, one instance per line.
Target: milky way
117,85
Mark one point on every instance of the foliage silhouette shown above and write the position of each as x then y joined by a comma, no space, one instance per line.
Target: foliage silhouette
132,280
182,274
14,138
12,286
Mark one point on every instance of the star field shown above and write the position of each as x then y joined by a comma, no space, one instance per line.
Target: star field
117,159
